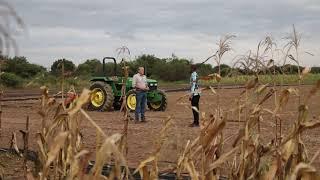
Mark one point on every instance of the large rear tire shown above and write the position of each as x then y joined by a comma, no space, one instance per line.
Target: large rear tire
161,105
131,100
101,97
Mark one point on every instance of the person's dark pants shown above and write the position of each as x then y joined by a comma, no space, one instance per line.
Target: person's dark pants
195,104
141,98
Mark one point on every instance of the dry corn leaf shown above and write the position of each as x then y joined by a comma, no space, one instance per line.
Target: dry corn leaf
222,159
306,71
184,154
93,123
191,169
42,151
262,88
44,91
313,91
270,62
107,151
81,153
83,99
284,97
206,78
315,156
75,164
144,173
2,173
51,101
14,143
57,144
55,123
251,83
29,176
211,76
181,97
144,163
267,96
218,77
304,170
288,149
239,137
308,125
212,131
303,113
212,90
315,88
272,171
256,110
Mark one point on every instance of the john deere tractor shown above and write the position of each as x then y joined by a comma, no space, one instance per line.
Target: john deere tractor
106,92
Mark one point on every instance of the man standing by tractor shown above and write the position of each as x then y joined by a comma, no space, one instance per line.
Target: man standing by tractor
194,96
139,83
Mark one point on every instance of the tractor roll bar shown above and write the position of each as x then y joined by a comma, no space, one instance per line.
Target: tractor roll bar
115,64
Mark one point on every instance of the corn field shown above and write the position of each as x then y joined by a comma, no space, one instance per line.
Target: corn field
60,144
62,154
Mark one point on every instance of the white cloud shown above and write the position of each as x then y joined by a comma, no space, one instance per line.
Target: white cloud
86,29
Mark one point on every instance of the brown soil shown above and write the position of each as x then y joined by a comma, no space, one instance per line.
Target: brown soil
141,136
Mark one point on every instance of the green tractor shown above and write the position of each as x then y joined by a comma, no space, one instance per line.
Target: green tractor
106,92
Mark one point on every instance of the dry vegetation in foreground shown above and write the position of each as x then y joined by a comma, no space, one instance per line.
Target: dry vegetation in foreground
62,156
60,146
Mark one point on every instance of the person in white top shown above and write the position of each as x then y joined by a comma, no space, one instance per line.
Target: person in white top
194,96
139,83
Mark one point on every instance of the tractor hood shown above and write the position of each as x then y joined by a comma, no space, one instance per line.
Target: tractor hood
148,80
153,84
151,81
106,79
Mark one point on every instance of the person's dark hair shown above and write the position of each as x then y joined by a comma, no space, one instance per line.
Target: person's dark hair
193,67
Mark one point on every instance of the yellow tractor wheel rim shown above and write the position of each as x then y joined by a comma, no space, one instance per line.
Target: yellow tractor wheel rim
97,97
131,101
155,105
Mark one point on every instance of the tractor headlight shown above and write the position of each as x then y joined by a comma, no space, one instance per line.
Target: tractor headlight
155,84
151,84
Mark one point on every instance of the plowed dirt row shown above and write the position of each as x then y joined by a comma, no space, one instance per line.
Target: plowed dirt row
142,136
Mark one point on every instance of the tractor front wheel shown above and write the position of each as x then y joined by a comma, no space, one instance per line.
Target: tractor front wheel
160,105
101,98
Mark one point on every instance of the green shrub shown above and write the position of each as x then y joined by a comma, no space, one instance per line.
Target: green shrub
21,67
11,80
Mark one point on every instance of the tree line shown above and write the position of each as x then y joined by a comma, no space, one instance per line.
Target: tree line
17,69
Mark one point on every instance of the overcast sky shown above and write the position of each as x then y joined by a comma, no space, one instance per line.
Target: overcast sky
82,29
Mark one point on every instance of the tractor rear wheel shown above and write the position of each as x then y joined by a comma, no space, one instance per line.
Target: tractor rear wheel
161,105
101,98
131,100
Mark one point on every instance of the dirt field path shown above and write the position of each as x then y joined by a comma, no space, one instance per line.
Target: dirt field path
142,136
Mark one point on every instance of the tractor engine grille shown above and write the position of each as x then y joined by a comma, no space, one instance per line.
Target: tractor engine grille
153,86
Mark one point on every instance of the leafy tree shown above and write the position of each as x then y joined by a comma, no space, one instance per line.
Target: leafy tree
56,67
149,62
290,69
90,67
204,69
275,69
224,69
177,69
21,67
315,70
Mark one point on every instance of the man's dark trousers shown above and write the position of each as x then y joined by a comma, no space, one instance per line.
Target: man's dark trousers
141,98
195,104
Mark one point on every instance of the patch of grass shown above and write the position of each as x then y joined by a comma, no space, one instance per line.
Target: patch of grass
279,79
